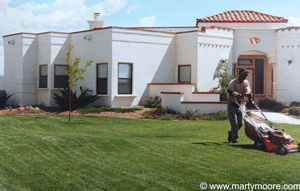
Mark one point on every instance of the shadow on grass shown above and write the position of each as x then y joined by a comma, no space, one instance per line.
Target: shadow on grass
210,143
247,146
244,146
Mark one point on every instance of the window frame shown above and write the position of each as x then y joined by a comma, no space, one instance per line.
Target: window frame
40,76
97,79
130,79
186,65
55,83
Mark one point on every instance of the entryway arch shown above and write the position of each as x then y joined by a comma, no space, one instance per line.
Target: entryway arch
260,73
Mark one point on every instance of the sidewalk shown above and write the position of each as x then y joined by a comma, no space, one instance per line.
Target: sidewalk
277,117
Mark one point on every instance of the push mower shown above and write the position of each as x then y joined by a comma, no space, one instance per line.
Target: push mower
267,137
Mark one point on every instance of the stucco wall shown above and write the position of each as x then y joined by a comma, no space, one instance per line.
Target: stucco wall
287,75
213,46
14,70
152,56
267,43
187,53
51,50
99,50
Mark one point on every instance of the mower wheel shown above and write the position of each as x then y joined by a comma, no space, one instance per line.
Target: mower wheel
282,150
258,145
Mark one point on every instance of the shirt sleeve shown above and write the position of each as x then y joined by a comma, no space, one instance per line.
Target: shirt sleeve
231,86
248,89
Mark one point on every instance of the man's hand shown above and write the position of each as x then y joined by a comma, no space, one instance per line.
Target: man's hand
236,94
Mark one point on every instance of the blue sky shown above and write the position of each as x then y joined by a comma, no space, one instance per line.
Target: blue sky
71,15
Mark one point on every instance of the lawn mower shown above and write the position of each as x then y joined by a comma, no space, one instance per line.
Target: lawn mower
267,137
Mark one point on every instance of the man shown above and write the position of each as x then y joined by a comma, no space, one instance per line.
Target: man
237,89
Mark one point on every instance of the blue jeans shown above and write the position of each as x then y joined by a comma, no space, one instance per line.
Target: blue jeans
236,120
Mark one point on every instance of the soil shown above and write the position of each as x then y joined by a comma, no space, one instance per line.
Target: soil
55,111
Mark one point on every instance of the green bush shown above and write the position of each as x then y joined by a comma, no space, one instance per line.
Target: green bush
271,105
153,102
224,79
294,111
3,98
62,99
295,104
164,113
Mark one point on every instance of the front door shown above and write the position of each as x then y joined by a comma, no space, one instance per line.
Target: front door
260,75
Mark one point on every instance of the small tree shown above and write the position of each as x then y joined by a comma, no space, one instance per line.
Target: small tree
224,80
75,73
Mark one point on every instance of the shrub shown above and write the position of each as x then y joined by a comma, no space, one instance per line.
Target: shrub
294,111
153,102
271,105
164,113
294,104
224,79
62,99
3,98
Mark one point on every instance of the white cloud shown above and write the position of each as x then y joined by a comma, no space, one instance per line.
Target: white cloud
294,21
5,1
58,16
148,22
133,7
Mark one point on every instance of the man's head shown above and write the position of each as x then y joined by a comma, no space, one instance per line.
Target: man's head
243,73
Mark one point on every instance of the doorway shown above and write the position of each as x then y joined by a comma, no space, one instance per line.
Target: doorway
260,75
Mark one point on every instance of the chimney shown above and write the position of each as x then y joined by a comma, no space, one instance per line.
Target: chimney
97,23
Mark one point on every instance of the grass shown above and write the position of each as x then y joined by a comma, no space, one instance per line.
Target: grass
86,110
98,153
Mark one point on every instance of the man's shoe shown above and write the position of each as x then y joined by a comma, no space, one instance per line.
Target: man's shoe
235,141
229,136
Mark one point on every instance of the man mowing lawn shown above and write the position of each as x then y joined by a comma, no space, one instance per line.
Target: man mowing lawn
237,89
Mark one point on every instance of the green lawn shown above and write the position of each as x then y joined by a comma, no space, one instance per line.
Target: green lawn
98,153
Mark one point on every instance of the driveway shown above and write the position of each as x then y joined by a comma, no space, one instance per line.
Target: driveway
277,117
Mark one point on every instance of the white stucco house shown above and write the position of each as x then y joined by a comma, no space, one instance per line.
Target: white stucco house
177,63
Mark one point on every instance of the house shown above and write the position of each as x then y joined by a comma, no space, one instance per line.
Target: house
177,63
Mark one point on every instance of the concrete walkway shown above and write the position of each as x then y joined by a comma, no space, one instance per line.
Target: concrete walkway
277,117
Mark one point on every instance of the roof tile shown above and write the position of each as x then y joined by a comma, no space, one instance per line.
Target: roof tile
243,16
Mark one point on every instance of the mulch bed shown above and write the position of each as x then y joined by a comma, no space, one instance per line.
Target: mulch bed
29,110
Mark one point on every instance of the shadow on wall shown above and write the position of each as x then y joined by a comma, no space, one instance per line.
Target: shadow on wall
165,72
21,80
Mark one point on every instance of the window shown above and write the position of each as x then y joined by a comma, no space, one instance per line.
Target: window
184,74
43,79
102,78
259,76
60,78
125,79
245,61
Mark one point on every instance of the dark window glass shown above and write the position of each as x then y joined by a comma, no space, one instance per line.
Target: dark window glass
259,76
60,78
184,74
125,79
245,62
43,79
102,78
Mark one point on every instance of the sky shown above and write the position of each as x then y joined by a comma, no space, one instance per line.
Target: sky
72,15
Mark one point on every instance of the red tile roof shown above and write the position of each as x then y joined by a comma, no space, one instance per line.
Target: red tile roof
242,16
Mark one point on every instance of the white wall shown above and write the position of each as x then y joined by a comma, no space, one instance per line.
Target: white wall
152,55
186,53
213,45
98,49
287,86
14,82
267,43
52,48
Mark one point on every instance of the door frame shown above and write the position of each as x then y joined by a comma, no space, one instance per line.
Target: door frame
268,75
